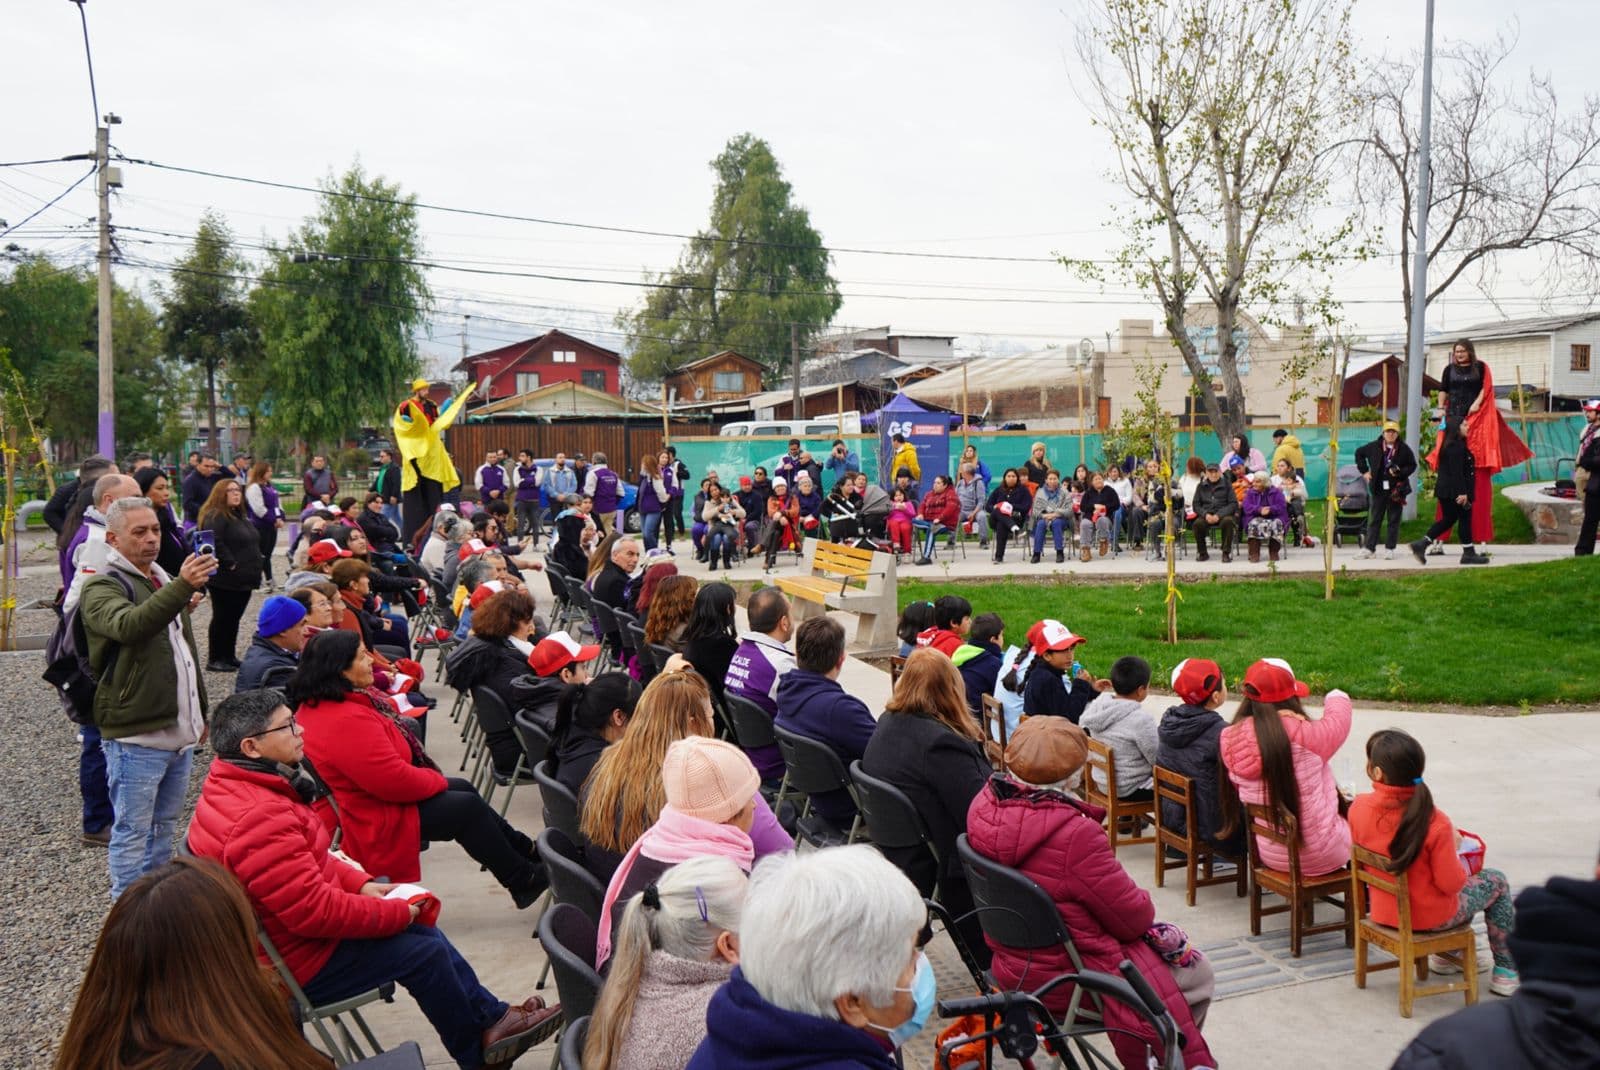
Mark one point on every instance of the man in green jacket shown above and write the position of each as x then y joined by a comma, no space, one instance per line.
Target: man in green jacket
150,702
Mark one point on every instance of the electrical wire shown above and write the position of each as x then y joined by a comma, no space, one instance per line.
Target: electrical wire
51,203
94,97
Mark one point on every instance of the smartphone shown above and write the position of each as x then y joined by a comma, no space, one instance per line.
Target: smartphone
205,542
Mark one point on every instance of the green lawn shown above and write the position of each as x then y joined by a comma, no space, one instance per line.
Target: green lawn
1493,636
1510,523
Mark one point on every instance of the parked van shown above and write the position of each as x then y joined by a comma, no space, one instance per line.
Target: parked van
782,428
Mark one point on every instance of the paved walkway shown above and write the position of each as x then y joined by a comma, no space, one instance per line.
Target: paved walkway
1487,772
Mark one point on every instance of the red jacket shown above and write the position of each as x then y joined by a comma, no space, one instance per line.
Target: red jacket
1434,880
1060,843
943,640
255,825
942,507
365,760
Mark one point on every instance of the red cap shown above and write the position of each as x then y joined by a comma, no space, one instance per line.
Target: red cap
471,548
1271,680
1051,635
558,650
1195,680
325,550
483,592
745,482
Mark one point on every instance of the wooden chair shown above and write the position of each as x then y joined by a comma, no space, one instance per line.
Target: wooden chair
1300,892
1407,946
994,724
897,665
1100,789
1198,855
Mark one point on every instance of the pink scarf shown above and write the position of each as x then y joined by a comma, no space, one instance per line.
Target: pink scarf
674,838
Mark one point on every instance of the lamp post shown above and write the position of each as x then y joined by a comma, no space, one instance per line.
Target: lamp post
1081,361
1419,267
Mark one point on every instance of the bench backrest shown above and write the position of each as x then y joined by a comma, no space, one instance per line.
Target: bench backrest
848,564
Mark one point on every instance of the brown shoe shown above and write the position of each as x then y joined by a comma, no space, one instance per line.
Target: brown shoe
1105,545
1085,554
520,1028
97,838
1254,546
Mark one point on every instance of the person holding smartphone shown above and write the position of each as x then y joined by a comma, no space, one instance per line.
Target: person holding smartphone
229,535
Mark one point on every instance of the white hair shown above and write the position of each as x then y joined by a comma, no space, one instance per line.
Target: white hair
616,547
825,924
117,512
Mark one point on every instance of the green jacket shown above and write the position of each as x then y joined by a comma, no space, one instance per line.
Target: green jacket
141,693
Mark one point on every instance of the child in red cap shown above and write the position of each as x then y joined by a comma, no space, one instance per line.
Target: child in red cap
1187,743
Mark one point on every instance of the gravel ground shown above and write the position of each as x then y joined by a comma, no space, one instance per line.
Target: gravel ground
56,891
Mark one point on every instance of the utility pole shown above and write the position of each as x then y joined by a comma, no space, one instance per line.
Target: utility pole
794,369
107,177
1419,265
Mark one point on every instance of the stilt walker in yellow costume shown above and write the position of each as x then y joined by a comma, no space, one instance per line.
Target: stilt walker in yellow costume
426,470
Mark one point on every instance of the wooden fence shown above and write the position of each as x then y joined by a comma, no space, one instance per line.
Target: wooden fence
623,444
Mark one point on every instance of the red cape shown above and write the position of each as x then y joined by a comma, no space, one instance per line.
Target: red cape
1495,446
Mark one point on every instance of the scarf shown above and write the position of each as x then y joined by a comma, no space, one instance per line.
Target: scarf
674,838
302,778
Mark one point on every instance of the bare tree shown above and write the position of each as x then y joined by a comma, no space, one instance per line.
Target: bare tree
1510,172
1221,114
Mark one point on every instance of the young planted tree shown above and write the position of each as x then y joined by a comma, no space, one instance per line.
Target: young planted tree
1512,172
203,311
338,309
759,267
1145,430
1221,116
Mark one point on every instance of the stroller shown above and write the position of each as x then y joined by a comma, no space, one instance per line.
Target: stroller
1355,500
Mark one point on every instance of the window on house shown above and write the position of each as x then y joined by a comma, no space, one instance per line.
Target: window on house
564,356
527,381
1580,358
594,380
728,382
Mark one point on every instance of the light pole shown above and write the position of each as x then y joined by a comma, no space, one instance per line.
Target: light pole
106,178
1081,361
1419,264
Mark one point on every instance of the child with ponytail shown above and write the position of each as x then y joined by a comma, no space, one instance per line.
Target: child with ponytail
1399,819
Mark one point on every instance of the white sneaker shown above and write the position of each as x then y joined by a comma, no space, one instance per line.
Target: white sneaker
1436,550
1388,555
1441,964
1504,982
1367,554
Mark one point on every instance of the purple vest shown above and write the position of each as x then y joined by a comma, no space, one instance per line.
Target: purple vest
605,490
81,536
527,489
269,498
753,674
493,478
648,502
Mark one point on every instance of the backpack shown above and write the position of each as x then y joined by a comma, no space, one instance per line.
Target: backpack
67,660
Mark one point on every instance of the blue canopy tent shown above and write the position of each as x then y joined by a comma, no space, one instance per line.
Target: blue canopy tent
928,430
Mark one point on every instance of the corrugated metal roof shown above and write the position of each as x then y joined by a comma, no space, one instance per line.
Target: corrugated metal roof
993,373
1533,325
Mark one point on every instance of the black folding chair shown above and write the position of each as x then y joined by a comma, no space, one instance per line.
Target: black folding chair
557,577
407,1056
606,622
568,938
570,881
560,805
494,716
891,818
277,676
1016,913
812,767
752,727
572,1042
660,654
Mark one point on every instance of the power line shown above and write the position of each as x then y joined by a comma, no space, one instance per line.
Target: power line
94,97
53,159
52,202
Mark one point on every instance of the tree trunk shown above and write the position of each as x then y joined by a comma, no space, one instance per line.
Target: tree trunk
211,406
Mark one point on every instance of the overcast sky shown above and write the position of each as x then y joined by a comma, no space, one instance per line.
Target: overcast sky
925,127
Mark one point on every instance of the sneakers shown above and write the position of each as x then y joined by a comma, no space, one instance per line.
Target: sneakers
1388,555
1503,982
1419,550
1436,549
1367,554
1440,964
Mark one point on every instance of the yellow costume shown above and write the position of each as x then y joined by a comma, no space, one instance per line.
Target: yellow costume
419,441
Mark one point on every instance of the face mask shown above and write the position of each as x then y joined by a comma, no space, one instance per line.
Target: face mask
924,987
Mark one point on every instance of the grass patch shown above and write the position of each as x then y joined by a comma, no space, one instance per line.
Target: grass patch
1511,636
1511,524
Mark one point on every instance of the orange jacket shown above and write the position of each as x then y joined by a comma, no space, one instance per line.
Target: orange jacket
1435,879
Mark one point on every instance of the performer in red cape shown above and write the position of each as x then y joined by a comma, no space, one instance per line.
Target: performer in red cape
1469,401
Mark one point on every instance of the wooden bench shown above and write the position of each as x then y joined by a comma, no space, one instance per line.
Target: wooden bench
842,577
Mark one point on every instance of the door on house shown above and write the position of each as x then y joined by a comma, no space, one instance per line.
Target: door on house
1102,413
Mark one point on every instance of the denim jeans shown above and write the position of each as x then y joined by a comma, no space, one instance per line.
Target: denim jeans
428,966
933,528
1058,528
148,786
97,812
650,524
392,514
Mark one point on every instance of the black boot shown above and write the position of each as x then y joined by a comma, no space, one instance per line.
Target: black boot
1470,556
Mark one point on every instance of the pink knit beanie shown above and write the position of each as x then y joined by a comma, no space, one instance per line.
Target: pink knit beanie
708,778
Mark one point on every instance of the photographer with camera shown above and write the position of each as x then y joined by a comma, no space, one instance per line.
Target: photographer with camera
1386,463
842,461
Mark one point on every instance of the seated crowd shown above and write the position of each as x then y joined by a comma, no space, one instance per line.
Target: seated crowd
721,944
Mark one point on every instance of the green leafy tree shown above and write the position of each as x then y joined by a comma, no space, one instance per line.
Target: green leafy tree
757,268
1222,116
337,311
203,312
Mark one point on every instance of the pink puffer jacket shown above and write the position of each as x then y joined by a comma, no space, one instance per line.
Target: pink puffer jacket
1324,835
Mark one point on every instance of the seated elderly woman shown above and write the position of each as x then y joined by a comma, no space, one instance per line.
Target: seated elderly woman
1286,479
391,795
808,498
1266,516
678,942
829,973
625,793
494,655
1026,820
711,790
1097,516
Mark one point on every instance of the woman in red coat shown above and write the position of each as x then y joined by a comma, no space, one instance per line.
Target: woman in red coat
1027,822
940,512
390,794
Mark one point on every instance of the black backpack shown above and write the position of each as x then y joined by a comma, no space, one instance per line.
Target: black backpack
67,660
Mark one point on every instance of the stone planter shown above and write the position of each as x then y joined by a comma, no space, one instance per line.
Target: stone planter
1555,520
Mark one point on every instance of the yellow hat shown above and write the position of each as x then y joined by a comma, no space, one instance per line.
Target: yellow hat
420,384
1390,425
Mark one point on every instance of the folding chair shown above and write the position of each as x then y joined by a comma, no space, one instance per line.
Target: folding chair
891,817
557,578
1102,792
626,622
570,881
492,715
408,1056
573,1039
1018,914
1368,869
752,728
813,767
1198,855
568,938
318,1017
647,666
660,654
606,624
277,676
560,805
1300,892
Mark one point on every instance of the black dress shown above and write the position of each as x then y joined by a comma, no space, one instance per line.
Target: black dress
1461,388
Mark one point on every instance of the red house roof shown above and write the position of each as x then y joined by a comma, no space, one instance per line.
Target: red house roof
504,357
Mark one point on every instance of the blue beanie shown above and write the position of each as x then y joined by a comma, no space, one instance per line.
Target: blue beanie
278,614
